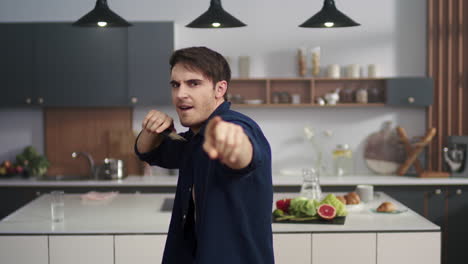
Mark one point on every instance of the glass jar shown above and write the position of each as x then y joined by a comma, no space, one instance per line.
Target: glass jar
361,96
310,185
342,160
375,95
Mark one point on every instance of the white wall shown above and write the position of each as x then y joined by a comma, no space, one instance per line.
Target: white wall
392,35
393,32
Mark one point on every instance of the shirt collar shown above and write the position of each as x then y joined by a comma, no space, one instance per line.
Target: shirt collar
222,108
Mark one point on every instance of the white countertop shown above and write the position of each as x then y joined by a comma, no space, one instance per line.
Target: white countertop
278,180
140,214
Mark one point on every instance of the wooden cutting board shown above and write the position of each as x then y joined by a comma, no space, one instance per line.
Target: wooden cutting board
383,151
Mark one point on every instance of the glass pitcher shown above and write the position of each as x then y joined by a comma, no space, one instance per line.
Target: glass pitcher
311,185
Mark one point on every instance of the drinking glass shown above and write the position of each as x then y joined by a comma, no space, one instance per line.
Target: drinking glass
57,206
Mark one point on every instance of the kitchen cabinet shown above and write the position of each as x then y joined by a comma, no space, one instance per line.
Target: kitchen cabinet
142,249
81,249
76,66
344,248
292,248
430,202
16,48
24,249
57,65
150,46
410,91
278,92
16,198
408,248
457,227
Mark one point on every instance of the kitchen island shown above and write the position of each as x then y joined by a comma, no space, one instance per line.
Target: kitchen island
131,228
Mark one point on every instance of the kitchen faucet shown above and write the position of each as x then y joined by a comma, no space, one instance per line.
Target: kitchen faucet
90,161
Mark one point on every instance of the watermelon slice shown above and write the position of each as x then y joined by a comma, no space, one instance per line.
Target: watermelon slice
326,211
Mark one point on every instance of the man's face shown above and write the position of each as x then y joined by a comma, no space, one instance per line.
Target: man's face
193,95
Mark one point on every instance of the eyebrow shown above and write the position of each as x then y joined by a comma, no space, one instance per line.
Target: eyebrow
172,82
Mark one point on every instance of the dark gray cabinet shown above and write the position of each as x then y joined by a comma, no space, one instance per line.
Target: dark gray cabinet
150,46
457,231
410,91
16,63
55,64
80,66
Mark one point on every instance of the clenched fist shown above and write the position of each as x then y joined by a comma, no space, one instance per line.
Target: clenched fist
156,122
153,124
228,143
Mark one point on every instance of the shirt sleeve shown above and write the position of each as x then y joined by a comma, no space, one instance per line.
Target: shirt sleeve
167,155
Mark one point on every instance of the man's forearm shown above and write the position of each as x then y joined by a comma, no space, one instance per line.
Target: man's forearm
148,141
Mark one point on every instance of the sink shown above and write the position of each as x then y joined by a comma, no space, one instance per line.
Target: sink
167,205
65,178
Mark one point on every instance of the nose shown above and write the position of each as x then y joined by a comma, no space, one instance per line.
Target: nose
181,92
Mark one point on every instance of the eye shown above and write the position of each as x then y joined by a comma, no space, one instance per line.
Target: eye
193,83
174,85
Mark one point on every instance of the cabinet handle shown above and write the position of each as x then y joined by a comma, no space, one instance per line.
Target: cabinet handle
438,191
28,100
40,100
458,192
134,100
411,100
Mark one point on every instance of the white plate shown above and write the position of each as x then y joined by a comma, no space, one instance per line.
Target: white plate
254,101
354,207
392,212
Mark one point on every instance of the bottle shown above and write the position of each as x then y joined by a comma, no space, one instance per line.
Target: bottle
301,61
315,61
342,160
310,186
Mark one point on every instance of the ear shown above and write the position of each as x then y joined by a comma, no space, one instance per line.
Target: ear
220,89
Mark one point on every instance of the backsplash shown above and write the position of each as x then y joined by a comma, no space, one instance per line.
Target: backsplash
284,129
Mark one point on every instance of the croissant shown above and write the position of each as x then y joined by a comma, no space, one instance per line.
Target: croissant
342,199
352,198
386,207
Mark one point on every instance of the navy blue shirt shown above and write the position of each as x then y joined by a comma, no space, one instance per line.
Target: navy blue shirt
233,207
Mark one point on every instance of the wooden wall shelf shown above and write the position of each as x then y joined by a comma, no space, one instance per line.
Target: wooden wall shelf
308,89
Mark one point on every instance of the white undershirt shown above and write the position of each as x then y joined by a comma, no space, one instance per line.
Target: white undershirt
194,208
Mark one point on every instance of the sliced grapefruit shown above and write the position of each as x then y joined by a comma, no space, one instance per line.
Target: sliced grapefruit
326,211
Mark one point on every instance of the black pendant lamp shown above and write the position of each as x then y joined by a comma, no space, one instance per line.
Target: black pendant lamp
216,17
101,16
329,17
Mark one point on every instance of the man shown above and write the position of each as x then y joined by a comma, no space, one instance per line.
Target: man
223,203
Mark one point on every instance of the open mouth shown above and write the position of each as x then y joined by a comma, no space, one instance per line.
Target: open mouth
185,107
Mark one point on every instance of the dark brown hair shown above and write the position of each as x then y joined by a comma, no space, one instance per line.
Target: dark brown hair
211,64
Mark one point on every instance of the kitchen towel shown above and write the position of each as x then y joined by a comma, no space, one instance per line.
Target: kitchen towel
98,196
